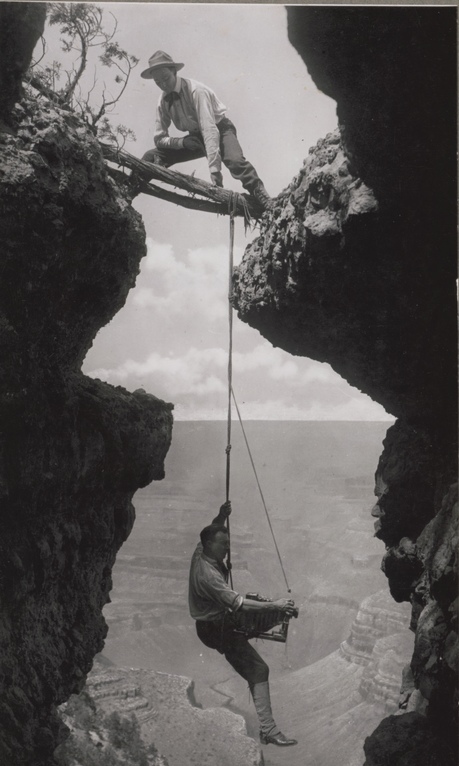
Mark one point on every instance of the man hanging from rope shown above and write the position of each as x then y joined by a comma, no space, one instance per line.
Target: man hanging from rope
212,601
193,107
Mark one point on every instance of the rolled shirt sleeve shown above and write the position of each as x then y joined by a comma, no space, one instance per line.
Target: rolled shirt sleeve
218,591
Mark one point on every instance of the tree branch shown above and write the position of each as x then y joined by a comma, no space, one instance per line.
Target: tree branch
191,203
53,96
244,206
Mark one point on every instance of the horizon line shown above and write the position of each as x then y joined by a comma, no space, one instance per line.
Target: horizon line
283,420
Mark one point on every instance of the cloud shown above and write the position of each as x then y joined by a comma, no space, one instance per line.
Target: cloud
175,336
280,366
194,284
189,374
197,383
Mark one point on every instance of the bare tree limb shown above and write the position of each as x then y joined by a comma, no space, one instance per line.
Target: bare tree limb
192,203
36,83
244,205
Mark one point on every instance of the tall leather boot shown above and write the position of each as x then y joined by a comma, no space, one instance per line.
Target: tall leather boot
262,702
269,731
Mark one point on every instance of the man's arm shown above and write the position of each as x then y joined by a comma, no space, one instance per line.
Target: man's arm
224,512
286,605
209,130
162,138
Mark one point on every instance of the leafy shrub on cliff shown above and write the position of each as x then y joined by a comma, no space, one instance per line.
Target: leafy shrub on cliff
103,740
124,735
82,28
82,709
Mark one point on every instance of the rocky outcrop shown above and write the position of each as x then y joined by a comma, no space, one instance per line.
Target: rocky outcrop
381,642
169,718
356,266
283,285
376,618
406,740
101,736
72,450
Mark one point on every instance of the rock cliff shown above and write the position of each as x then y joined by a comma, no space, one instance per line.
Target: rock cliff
356,267
72,450
170,719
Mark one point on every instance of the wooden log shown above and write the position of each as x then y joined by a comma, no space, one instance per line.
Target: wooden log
243,205
192,203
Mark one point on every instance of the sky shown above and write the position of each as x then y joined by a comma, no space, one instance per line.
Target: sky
171,337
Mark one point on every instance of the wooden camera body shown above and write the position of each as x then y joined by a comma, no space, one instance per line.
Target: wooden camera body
270,625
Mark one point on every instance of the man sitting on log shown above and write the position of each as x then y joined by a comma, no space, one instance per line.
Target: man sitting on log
193,107
212,602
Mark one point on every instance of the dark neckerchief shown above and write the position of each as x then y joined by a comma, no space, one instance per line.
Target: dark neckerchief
171,97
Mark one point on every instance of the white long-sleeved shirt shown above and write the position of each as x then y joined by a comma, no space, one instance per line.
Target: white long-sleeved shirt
197,109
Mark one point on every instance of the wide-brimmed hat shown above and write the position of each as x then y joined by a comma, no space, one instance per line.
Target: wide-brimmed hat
158,60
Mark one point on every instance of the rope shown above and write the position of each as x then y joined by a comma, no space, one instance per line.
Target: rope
247,216
261,494
232,204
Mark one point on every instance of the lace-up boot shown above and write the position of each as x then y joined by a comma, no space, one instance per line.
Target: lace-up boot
262,197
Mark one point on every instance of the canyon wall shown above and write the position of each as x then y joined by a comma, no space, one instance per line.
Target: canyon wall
356,266
72,450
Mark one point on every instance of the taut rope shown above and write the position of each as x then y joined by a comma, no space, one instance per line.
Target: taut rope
261,495
232,211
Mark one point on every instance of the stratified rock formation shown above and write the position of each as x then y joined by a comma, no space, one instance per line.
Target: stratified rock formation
169,718
356,267
377,617
72,450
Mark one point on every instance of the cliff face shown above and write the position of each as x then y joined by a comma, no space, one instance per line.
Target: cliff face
72,450
356,267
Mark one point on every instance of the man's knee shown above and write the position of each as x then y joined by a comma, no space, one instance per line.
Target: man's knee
248,663
150,155
235,164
